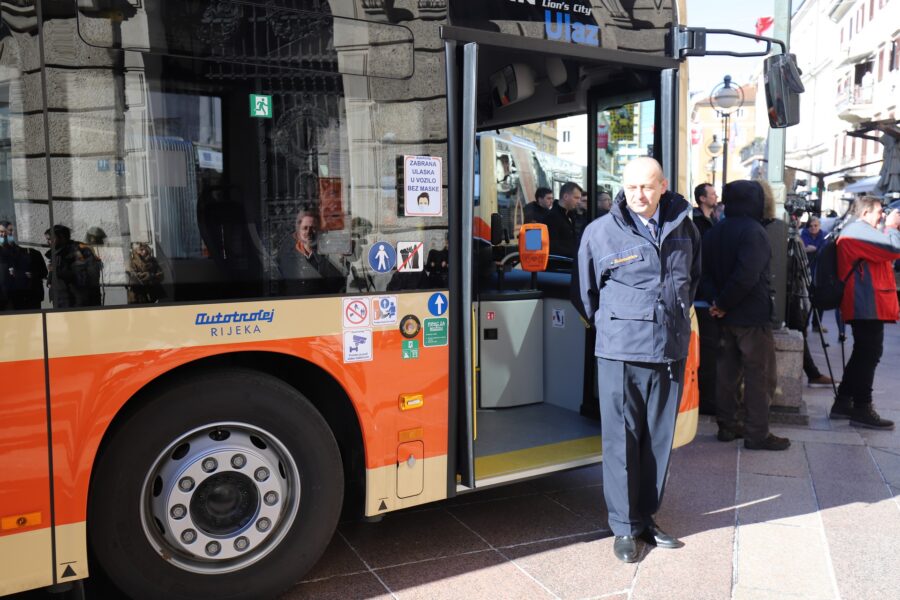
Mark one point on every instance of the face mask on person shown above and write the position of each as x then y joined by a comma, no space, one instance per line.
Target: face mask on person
10,239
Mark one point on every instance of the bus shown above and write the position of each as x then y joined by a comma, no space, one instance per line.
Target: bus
272,292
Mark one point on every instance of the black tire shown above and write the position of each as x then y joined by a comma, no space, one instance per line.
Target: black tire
131,486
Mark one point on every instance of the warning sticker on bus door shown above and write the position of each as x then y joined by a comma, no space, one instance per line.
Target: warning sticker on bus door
422,186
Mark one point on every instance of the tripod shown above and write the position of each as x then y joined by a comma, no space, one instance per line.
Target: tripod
800,280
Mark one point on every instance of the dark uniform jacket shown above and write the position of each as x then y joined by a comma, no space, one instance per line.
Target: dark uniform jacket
535,213
702,222
736,275
639,291
561,227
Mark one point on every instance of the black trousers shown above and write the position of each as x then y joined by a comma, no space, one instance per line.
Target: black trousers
638,408
859,374
709,350
747,352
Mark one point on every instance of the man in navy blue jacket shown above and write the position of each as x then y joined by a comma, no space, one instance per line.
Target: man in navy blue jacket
639,266
736,279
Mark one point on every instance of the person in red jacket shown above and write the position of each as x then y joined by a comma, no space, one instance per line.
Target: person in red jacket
865,261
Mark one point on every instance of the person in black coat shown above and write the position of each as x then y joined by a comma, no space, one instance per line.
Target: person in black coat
560,221
736,279
537,210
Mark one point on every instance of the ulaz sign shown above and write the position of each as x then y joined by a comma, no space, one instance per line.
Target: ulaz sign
559,25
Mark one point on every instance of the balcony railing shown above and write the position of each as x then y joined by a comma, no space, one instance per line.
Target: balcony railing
855,95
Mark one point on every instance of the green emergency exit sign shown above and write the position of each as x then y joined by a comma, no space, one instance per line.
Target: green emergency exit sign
260,106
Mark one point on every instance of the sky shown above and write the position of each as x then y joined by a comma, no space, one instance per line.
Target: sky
706,72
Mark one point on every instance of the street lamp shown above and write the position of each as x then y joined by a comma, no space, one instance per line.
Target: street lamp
714,147
726,99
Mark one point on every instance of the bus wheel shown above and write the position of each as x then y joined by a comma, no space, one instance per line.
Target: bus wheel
228,485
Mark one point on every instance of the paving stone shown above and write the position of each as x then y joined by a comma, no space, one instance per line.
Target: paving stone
782,500
409,536
838,436
881,439
888,461
338,559
587,503
522,520
363,585
477,575
702,570
796,564
743,593
578,567
789,463
863,542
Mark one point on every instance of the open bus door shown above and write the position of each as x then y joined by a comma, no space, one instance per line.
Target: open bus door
522,344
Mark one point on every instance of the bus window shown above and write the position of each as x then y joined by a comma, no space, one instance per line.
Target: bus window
207,174
623,133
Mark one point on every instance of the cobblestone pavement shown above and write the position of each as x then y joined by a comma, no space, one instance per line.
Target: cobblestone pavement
821,520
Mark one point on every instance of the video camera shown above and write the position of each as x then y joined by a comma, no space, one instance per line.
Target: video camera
801,202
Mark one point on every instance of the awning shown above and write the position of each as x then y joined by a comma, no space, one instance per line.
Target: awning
864,186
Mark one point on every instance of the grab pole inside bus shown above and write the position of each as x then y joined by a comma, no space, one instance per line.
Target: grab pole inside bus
469,91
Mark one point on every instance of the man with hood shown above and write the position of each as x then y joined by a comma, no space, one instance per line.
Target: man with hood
638,268
736,278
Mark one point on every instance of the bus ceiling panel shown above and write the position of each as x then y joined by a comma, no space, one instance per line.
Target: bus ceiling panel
581,53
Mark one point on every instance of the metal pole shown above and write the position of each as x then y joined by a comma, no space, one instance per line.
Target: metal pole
725,150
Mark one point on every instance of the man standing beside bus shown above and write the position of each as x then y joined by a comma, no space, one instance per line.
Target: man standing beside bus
537,210
639,267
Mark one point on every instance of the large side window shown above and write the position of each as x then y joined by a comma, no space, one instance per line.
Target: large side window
23,174
210,150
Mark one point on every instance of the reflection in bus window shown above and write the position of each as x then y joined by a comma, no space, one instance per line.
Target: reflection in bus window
623,133
213,166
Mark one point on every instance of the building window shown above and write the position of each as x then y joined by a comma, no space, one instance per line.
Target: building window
871,9
880,64
566,136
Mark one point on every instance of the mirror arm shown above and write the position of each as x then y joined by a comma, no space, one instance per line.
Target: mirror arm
691,41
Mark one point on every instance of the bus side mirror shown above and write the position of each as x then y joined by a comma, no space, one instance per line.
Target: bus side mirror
496,229
783,89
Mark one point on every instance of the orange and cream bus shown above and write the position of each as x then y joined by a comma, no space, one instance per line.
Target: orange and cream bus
271,291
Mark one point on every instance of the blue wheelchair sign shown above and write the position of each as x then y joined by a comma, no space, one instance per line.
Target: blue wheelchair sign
437,304
382,257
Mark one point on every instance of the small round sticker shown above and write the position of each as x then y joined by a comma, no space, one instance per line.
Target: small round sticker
410,326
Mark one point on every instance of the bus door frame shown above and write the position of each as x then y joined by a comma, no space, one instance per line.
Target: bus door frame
462,89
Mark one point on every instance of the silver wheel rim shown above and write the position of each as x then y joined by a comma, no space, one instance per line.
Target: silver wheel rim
220,498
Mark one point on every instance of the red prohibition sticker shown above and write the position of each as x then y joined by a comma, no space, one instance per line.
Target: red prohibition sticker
490,315
356,312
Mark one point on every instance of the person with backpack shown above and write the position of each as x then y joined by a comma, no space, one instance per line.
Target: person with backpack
865,255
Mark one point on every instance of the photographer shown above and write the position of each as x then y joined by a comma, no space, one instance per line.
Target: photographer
865,257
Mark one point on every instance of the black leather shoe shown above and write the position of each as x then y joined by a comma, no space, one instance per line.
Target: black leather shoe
841,409
659,538
625,547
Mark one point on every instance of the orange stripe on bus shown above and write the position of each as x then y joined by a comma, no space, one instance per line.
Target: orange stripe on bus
88,391
24,465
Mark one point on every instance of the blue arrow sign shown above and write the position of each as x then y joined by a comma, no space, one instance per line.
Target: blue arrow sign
437,304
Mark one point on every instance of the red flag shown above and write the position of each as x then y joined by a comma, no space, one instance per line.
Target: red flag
763,24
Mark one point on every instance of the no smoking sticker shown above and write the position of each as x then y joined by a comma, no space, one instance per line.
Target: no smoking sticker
356,312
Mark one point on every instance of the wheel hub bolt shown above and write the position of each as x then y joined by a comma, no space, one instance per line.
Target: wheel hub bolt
178,511
271,498
188,536
210,465
213,548
263,524
241,544
186,484
261,474
238,461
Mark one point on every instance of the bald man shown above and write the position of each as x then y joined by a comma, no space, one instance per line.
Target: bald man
639,266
